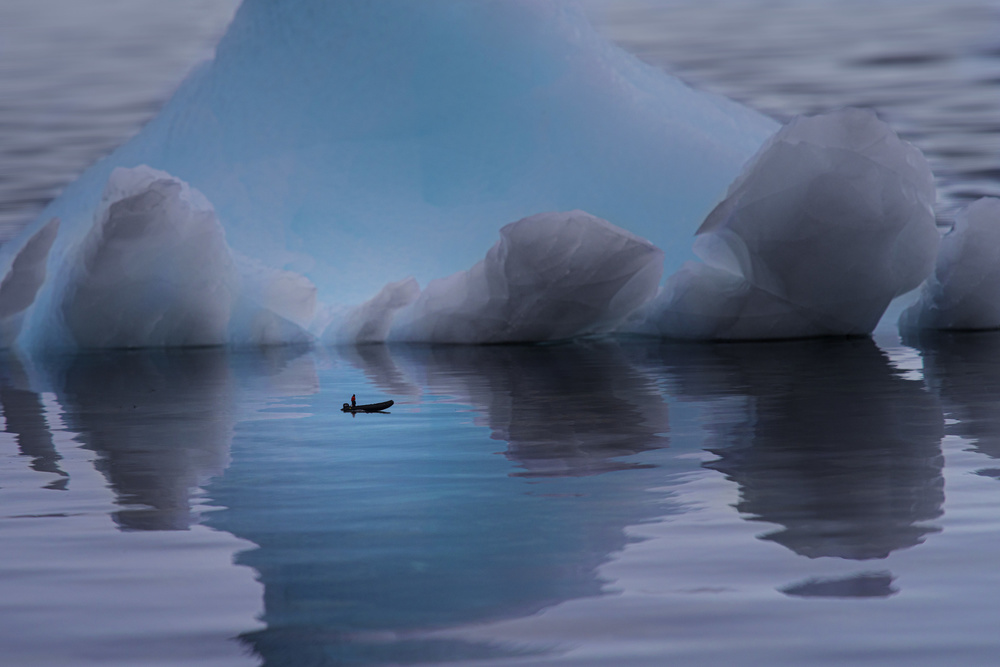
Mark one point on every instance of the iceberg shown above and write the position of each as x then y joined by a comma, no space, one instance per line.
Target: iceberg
335,150
964,291
831,220
346,145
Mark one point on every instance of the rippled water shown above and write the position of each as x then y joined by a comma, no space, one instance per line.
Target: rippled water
631,503
589,504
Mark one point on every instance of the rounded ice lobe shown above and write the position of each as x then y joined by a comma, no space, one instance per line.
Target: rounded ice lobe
964,291
551,276
829,221
153,271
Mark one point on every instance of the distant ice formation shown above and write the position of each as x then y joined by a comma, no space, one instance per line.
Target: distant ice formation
551,276
964,291
830,221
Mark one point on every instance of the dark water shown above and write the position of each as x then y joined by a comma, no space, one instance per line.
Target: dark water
600,503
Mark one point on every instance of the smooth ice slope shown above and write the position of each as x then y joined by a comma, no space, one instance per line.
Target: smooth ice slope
550,277
964,291
358,143
830,221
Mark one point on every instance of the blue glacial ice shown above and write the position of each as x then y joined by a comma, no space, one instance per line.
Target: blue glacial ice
356,144
831,220
353,151
964,291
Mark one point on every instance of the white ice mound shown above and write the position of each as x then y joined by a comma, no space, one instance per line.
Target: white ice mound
831,220
358,142
964,291
154,270
551,276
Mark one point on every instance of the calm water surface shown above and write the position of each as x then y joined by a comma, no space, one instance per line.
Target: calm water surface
599,503
583,504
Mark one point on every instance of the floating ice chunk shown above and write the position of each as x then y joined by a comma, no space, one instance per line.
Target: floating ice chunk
964,291
830,221
369,322
153,271
23,280
551,276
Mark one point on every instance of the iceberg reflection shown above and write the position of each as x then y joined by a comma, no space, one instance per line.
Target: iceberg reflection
826,440
563,410
161,423
961,368
370,533
864,585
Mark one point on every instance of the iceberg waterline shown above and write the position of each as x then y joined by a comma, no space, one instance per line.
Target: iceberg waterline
349,150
